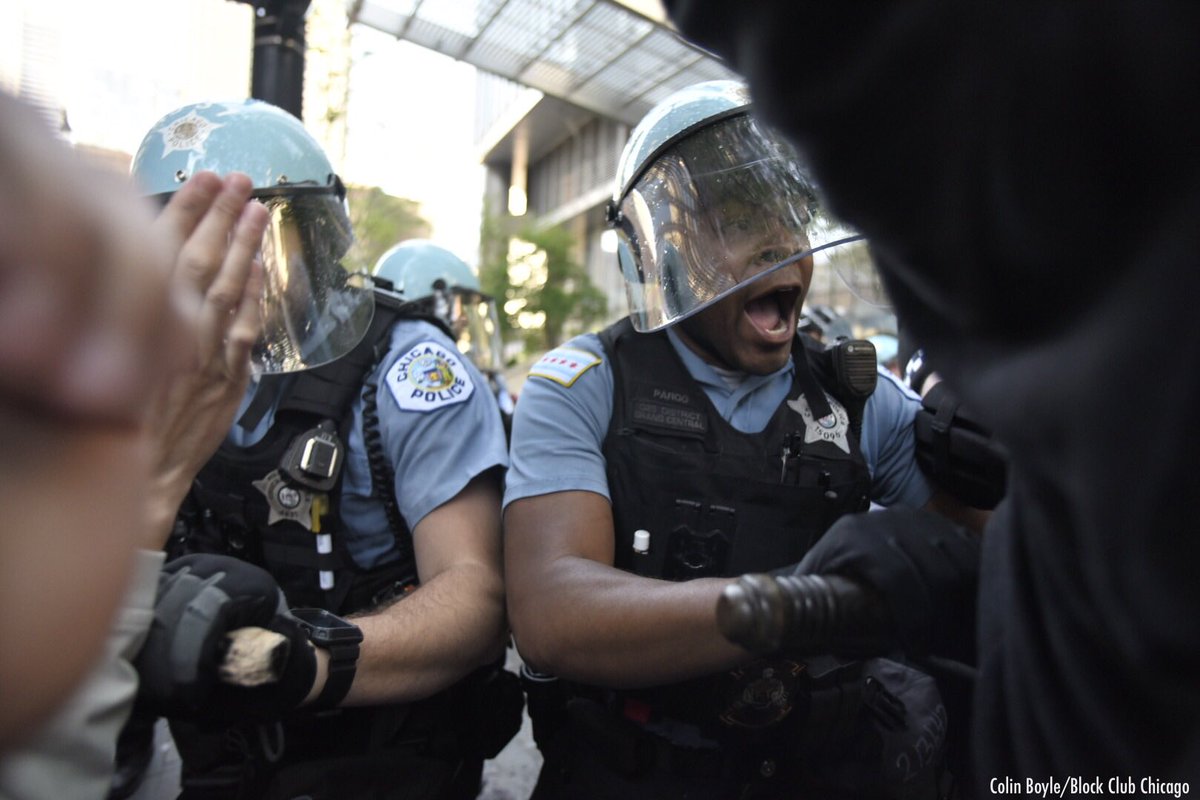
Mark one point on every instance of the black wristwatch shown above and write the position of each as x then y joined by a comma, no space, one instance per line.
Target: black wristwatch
341,638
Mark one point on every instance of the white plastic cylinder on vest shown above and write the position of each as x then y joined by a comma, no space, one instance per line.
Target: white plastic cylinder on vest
641,541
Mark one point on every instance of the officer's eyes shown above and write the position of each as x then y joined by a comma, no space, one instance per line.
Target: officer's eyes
773,256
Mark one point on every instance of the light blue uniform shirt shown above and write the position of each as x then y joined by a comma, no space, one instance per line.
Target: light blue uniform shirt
440,428
559,429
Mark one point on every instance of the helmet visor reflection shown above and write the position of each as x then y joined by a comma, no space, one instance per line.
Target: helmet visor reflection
314,311
476,326
723,207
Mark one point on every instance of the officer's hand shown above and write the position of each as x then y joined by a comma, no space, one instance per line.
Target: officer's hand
925,568
201,598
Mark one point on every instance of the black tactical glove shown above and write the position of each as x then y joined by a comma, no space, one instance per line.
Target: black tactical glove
925,567
201,599
957,451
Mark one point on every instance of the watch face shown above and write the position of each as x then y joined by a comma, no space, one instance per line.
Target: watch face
326,628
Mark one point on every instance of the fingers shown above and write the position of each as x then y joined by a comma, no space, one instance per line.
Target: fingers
231,310
247,323
196,405
205,238
188,206
99,300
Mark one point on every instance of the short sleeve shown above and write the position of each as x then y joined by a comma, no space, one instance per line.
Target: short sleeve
561,420
440,424
889,447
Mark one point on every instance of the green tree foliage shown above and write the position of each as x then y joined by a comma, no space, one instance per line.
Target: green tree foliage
380,220
493,260
544,293
567,297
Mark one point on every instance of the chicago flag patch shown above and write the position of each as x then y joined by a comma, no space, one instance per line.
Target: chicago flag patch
429,376
564,365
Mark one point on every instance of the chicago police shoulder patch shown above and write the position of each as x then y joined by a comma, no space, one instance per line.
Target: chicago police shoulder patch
564,365
429,376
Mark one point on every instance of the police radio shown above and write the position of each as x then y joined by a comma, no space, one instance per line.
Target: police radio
854,369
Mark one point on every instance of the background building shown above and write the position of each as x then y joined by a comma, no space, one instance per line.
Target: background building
104,72
517,109
560,85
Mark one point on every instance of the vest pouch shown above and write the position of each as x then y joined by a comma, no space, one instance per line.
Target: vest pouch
886,724
489,710
699,547
290,555
619,744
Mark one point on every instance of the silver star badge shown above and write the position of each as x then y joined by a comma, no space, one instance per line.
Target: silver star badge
831,428
286,501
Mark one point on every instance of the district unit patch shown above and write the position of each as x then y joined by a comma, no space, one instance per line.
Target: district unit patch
428,377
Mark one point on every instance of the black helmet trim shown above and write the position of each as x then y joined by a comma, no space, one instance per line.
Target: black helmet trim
335,186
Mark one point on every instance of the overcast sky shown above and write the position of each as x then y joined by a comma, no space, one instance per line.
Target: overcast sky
411,123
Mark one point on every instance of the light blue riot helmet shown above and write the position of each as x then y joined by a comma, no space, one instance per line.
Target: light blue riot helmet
887,348
447,288
708,199
314,311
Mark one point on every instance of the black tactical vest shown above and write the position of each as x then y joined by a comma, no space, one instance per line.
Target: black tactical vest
716,501
243,502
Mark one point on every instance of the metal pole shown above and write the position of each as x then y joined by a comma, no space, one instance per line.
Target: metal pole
277,74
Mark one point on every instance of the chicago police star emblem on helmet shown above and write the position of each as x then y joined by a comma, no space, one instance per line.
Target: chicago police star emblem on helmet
187,133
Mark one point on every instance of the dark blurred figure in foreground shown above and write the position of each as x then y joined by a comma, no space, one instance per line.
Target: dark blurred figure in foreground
1028,177
125,345
93,332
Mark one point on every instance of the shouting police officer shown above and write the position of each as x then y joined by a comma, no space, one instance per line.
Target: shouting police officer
697,439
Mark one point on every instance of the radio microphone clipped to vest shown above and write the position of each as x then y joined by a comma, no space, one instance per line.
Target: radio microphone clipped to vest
855,370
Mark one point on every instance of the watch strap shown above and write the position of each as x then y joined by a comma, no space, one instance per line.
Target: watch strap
343,664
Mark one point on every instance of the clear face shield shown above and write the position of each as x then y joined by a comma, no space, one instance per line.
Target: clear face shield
314,311
473,320
719,209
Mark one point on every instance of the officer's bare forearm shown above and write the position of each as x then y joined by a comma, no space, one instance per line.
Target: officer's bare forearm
425,642
575,615
612,628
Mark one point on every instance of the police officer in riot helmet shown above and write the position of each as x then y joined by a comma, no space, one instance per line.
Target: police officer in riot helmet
698,439
444,286
345,478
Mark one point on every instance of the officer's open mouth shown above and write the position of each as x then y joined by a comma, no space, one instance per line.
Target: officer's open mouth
774,313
